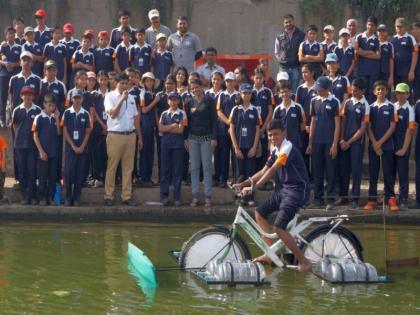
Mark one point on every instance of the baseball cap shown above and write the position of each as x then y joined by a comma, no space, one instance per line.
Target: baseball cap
382,27
91,75
89,32
153,13
77,93
174,95
50,63
402,88
245,88
322,83
40,12
230,76
332,57
344,31
329,27
26,90
28,29
25,54
68,28
282,75
160,35
103,34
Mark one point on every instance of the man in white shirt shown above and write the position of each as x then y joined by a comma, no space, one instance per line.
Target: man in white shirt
123,124
207,69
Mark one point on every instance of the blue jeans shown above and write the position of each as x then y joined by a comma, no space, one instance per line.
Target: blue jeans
200,153
294,76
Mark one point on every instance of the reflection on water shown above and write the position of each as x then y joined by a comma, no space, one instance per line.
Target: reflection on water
82,269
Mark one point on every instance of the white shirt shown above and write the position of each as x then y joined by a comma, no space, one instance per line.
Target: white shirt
124,122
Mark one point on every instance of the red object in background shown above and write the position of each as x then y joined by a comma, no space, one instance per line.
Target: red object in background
230,62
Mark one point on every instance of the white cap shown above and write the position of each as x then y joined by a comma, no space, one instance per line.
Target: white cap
230,76
25,54
283,75
329,27
344,31
159,36
153,13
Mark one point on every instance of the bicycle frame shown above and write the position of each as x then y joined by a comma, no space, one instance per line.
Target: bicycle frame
256,233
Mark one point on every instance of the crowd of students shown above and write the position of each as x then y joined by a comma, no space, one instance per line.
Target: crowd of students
60,122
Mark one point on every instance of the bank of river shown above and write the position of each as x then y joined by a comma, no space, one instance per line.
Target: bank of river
51,268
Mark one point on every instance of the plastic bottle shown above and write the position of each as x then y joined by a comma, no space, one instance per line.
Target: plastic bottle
57,194
241,271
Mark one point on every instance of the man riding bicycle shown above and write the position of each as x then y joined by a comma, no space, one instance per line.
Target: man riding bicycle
291,192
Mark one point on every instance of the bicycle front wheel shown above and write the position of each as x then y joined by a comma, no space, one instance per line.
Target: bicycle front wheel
341,243
211,243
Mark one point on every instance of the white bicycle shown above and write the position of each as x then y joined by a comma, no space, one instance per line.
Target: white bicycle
330,239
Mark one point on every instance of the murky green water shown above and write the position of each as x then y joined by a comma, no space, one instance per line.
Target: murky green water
81,269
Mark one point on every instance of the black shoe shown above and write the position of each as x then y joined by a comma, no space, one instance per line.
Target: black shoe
415,205
130,202
34,202
25,201
165,202
354,205
108,202
341,202
317,204
215,183
51,202
67,203
43,203
148,183
76,203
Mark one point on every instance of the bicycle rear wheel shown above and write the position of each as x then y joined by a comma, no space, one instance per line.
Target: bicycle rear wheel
211,243
339,244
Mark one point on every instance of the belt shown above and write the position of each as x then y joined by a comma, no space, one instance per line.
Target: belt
122,132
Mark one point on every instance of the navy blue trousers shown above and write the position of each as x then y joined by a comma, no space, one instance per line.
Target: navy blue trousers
47,177
4,91
246,166
417,160
401,169
74,174
172,168
387,159
27,159
351,164
323,164
147,153
222,155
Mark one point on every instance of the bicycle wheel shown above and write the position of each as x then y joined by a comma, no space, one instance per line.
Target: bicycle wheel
210,243
339,244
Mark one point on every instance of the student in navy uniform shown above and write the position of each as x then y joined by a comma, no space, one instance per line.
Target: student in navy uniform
71,47
122,52
304,95
163,61
346,54
169,86
387,56
77,127
416,204
99,130
402,137
354,121
171,124
140,54
116,33
383,119
245,122
42,32
56,51
310,51
80,81
24,78
291,193
35,49
46,129
406,53
9,66
415,30
369,54
19,26
282,77
328,44
83,58
291,114
22,119
148,103
264,102
323,140
341,88
104,54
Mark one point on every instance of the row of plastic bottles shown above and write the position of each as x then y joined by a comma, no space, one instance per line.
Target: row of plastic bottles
235,271
348,270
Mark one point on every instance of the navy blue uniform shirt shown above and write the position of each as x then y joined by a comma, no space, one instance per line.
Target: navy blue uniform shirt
122,54
55,87
245,122
162,64
323,113
404,46
387,52
340,86
225,103
355,112
43,37
263,100
328,48
304,96
57,53
46,126
116,36
98,102
292,118
367,66
173,140
71,47
140,57
77,124
18,81
148,119
381,117
87,102
22,120
406,120
312,49
104,59
79,56
35,49
345,57
10,54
